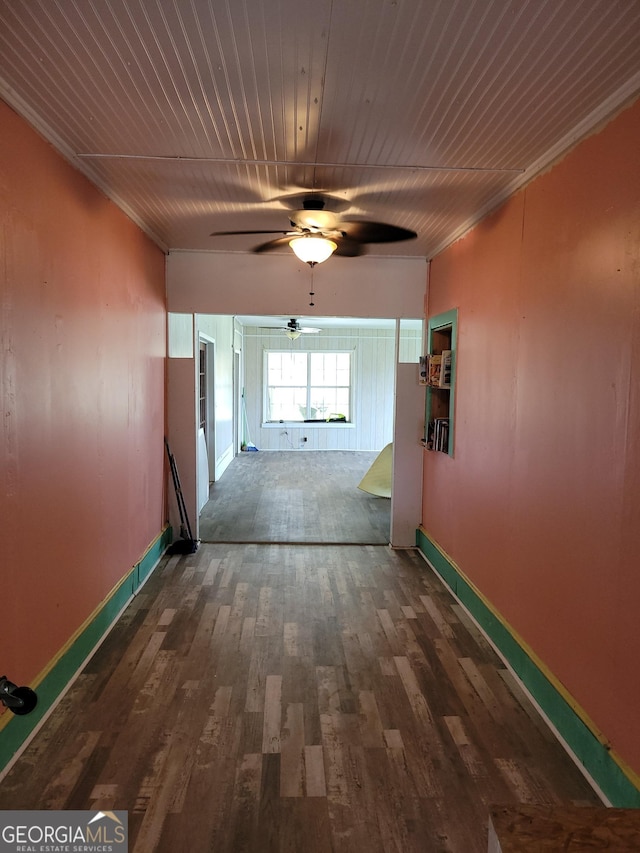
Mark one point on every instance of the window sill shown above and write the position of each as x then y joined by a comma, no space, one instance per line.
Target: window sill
305,425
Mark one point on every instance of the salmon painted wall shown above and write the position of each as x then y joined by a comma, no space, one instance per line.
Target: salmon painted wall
540,505
83,402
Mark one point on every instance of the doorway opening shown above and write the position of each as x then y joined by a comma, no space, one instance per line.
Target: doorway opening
274,499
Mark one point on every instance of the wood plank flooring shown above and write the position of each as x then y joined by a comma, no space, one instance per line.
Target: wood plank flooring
295,698
290,496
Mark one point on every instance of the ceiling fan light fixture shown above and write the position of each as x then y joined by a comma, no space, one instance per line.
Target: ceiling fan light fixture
313,249
292,334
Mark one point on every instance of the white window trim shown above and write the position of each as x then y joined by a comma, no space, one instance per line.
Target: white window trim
350,424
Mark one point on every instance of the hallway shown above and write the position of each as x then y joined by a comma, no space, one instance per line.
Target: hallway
288,698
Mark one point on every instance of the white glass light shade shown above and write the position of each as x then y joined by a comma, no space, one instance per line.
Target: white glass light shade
313,248
292,334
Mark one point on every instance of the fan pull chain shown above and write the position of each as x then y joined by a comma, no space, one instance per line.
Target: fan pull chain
312,291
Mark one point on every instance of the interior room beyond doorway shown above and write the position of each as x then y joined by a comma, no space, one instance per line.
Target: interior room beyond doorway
310,497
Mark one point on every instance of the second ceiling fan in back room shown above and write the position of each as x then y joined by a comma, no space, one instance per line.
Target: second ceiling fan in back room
316,234
294,329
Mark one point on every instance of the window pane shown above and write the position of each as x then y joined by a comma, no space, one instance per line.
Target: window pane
329,402
286,368
287,404
330,368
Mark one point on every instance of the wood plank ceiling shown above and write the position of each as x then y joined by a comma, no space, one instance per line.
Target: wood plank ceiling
205,115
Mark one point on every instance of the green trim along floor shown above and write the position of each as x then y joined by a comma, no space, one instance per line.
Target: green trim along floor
600,763
58,676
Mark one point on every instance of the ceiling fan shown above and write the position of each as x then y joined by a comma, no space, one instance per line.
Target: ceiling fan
293,329
316,234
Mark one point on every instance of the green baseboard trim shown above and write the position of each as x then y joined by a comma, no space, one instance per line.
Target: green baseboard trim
15,731
619,784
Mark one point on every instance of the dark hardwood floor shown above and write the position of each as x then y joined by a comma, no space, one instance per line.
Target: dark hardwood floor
295,698
291,496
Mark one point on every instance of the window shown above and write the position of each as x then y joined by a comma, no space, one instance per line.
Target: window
307,386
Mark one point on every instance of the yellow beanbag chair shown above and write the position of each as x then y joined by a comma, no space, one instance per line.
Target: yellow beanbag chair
377,480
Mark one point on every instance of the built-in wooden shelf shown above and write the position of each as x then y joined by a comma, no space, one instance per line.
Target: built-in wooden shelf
440,373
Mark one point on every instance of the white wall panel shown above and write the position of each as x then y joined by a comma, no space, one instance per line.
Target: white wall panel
180,335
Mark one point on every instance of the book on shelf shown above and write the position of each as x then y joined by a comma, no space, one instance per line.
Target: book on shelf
445,370
439,435
423,373
439,369
435,370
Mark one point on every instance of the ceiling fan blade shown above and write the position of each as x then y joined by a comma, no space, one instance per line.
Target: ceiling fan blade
234,233
307,330
274,244
348,248
363,231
